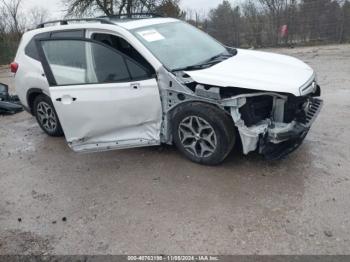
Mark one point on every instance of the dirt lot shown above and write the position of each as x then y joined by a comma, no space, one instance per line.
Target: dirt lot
152,201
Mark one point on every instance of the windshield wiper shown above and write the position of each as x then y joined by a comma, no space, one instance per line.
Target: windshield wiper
192,67
209,62
218,58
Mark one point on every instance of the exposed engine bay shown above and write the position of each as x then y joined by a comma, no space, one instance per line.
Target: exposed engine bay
274,124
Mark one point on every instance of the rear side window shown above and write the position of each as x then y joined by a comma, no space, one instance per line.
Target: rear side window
77,62
31,49
66,53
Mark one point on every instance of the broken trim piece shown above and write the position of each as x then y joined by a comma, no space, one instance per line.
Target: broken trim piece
273,132
107,146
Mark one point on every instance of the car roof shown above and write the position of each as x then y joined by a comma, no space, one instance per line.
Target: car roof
137,23
128,24
98,23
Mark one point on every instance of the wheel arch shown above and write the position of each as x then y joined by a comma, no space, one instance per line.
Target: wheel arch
32,93
176,108
217,117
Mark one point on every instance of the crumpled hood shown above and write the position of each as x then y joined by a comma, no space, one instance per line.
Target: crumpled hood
259,71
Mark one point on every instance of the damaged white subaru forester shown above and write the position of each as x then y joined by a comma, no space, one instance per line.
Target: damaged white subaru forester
113,83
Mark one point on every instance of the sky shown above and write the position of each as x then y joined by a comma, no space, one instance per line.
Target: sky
200,4
56,7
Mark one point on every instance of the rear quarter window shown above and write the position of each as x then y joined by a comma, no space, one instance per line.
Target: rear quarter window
31,49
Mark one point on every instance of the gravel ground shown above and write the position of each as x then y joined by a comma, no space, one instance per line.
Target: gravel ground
152,201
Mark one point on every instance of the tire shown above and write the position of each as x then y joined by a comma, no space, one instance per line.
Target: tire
46,116
212,136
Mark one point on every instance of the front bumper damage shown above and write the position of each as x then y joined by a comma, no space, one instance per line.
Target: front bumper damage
273,127
275,139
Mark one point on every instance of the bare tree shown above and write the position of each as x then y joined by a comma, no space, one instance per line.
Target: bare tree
118,7
3,19
12,25
37,15
15,23
195,17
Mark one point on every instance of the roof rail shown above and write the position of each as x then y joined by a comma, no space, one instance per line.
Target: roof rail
132,16
67,21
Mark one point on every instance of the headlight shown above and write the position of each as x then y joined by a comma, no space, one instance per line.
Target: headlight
311,88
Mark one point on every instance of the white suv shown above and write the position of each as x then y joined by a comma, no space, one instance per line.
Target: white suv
110,83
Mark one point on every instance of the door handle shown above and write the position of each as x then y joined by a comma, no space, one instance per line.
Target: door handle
66,99
135,86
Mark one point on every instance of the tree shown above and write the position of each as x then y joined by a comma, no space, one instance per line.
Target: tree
37,15
170,8
13,23
321,20
344,27
3,19
11,28
194,17
253,24
118,7
224,23
276,16
11,10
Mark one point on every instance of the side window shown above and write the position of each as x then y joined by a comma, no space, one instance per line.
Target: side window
75,62
138,65
31,49
136,71
109,66
65,53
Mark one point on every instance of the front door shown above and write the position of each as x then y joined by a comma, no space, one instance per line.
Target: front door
104,99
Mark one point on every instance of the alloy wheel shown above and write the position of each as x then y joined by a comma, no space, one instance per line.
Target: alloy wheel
47,116
197,136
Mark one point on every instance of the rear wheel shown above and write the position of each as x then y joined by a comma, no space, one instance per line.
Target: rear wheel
203,133
47,117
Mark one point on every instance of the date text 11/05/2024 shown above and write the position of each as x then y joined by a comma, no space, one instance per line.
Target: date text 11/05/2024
173,258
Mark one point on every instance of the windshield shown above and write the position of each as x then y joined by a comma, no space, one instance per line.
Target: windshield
179,45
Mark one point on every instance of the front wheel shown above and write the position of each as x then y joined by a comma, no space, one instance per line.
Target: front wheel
203,133
47,117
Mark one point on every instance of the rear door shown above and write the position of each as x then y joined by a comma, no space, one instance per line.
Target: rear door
104,100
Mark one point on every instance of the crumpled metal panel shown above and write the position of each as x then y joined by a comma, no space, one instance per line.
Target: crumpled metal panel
109,116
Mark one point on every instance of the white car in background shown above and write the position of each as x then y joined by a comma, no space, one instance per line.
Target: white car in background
113,83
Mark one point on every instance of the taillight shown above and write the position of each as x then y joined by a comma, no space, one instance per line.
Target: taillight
14,67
